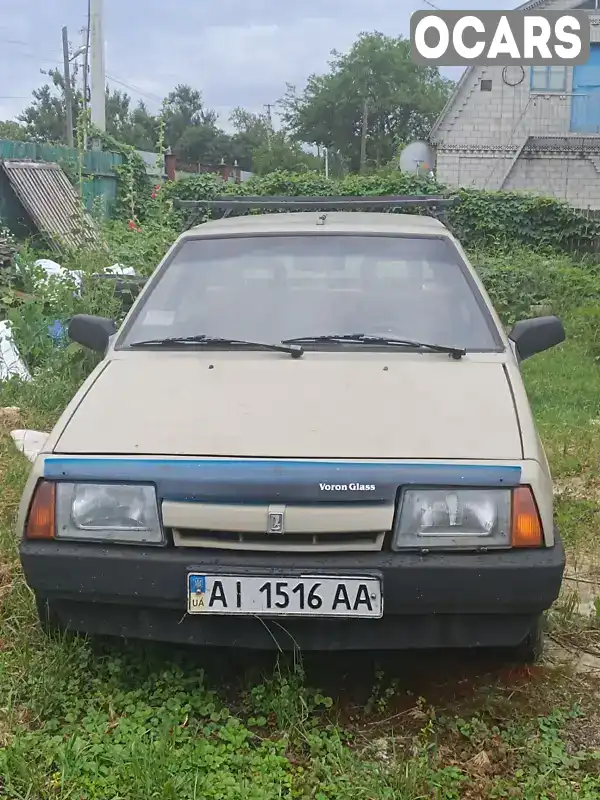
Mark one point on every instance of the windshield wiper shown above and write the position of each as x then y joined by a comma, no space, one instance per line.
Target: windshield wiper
365,338
294,350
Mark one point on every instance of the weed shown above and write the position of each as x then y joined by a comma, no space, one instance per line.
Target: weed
95,720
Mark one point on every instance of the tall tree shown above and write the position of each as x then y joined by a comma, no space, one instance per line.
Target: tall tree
45,118
372,99
184,110
265,149
10,129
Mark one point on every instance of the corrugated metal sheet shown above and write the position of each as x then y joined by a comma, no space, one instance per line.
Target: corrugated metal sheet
99,167
52,203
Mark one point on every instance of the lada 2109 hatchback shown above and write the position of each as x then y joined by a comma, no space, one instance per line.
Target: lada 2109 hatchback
310,430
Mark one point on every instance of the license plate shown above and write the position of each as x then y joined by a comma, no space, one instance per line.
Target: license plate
303,596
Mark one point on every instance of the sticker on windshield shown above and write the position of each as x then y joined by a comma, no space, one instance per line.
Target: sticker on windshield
159,318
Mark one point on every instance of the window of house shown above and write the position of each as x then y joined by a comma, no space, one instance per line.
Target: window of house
486,85
549,79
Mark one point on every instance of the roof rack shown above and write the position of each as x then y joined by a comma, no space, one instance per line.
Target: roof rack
311,203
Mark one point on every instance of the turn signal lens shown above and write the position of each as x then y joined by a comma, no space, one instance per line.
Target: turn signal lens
40,521
526,523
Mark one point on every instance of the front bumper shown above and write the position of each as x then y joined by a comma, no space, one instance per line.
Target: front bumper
436,600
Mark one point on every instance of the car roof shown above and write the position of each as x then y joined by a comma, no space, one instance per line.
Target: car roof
336,221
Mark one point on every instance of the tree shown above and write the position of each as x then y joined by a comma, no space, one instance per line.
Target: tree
142,131
264,149
184,111
45,118
375,85
12,130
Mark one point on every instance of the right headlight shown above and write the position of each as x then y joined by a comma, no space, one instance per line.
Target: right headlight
453,518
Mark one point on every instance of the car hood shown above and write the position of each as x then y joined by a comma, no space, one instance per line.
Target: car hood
267,405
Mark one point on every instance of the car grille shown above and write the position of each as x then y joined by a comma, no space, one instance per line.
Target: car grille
289,542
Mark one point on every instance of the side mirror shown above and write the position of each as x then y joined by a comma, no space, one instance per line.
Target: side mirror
535,335
92,332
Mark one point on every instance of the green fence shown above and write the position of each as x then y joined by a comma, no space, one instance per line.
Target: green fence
100,180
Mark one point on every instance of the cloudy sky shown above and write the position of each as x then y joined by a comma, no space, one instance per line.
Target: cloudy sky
237,52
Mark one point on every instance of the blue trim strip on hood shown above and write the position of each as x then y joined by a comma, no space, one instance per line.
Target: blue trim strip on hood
280,481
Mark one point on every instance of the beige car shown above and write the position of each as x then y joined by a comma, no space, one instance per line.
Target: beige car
310,431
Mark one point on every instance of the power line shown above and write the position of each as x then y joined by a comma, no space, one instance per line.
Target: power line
17,41
134,88
39,59
21,43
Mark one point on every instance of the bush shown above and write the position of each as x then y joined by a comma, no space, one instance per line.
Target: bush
482,218
521,282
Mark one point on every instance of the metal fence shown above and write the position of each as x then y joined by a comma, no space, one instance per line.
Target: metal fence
99,187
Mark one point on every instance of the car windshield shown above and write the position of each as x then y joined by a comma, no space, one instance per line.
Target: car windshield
275,287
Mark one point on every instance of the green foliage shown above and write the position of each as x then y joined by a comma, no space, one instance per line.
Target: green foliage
523,283
268,149
133,182
486,218
482,219
141,247
14,131
402,101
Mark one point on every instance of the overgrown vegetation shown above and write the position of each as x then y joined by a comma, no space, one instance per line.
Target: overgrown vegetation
122,721
482,219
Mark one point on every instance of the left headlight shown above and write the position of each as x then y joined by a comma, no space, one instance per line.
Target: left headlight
108,513
453,518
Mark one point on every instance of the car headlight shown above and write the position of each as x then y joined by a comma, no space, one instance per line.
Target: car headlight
108,513
453,518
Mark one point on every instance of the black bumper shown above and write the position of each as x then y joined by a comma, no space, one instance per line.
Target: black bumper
435,600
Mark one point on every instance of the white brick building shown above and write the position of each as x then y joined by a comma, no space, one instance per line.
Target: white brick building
534,129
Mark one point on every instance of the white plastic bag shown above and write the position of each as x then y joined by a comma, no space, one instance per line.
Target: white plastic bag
30,443
119,269
11,363
54,270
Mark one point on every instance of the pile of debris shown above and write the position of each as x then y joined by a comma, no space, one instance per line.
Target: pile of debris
127,285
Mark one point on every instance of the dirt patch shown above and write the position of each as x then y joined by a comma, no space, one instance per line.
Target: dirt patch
581,582
560,652
10,418
583,733
578,488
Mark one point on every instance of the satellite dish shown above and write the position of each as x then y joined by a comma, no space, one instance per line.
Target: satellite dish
418,158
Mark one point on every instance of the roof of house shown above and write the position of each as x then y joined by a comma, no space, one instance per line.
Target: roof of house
469,70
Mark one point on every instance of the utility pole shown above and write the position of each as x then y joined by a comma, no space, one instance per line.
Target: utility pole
86,69
68,88
326,154
97,72
269,106
363,137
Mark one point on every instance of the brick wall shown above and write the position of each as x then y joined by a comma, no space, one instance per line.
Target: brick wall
490,121
571,177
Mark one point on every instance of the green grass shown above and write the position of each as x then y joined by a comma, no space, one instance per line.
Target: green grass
126,721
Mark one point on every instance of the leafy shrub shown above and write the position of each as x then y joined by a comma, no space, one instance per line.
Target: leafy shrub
481,219
522,282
